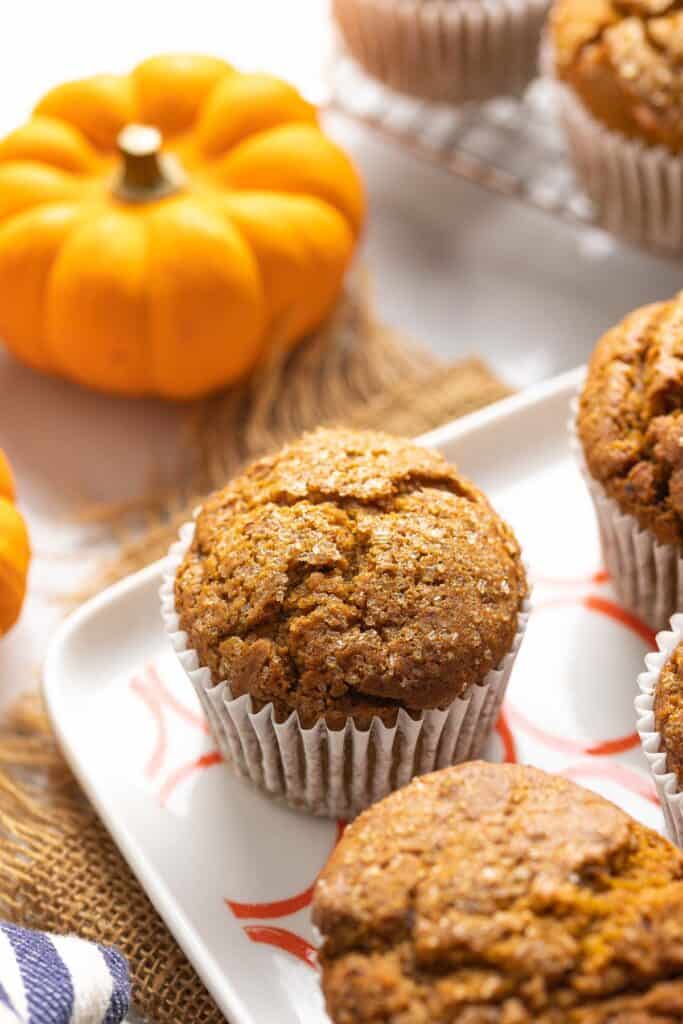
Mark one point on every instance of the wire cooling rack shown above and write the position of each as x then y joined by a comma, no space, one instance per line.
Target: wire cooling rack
512,147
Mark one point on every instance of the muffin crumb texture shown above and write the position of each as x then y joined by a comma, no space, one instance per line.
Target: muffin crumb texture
348,576
624,60
669,712
631,417
497,894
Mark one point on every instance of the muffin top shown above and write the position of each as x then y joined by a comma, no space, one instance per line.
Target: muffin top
624,59
669,712
349,575
631,417
497,894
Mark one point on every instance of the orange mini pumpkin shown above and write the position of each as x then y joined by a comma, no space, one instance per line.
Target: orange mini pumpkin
138,269
14,551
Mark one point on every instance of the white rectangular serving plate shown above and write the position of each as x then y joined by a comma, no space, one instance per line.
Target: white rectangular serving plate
231,871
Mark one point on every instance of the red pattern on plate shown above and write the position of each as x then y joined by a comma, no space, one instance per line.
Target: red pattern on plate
280,908
184,772
600,748
282,938
165,697
619,614
277,908
151,689
604,606
156,759
612,771
508,740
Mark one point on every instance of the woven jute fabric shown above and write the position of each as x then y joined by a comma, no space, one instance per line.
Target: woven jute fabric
59,870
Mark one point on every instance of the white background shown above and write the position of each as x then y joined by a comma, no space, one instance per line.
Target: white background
458,269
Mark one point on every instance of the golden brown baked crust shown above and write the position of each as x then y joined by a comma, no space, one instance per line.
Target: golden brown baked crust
624,60
497,894
669,712
631,417
350,575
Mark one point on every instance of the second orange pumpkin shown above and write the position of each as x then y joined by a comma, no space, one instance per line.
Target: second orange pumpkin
14,551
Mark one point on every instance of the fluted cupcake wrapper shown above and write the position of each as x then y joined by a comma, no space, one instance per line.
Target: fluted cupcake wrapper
647,576
445,50
334,772
668,790
637,190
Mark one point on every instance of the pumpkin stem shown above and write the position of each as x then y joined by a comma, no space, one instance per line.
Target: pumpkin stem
145,173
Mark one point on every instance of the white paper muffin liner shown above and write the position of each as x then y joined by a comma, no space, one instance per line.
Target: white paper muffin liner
647,576
445,50
668,790
336,773
637,190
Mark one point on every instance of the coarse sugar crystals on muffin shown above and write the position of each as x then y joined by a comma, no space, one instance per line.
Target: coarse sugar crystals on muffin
355,580
350,575
630,425
659,710
621,66
497,894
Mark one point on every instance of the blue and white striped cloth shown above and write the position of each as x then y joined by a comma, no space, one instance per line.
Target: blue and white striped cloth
59,979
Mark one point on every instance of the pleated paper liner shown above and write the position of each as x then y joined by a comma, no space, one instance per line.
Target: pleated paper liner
668,789
445,50
637,190
335,772
647,576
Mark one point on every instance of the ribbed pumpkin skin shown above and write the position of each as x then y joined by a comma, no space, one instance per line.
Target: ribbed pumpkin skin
14,551
179,296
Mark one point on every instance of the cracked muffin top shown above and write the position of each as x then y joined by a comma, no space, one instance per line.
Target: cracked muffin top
631,417
624,59
348,576
497,894
669,712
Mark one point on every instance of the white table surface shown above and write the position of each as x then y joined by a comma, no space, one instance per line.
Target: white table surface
460,270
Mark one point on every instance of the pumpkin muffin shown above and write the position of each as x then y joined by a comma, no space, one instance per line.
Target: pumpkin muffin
355,580
621,63
448,51
630,425
659,710
497,894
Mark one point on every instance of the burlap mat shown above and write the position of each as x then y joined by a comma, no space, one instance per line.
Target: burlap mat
58,868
